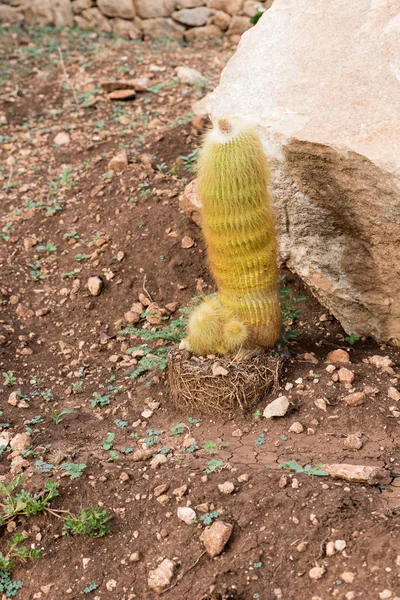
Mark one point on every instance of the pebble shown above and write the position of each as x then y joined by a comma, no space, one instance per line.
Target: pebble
296,427
186,514
345,375
385,594
160,578
321,403
122,95
160,489
347,576
393,394
219,370
353,442
163,499
330,549
119,162
62,139
340,545
283,480
4,438
380,362
20,442
131,317
355,399
111,584
237,433
243,478
277,408
216,536
187,242
159,459
317,572
95,285
134,557
179,492
189,76
146,414
226,488
338,356
330,368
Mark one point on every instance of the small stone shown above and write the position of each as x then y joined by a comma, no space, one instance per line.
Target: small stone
355,399
122,95
190,76
385,594
340,545
163,499
347,576
380,362
134,557
124,477
13,399
317,572
160,489
320,403
2,340
119,162
393,394
160,578
330,549
186,514
131,317
62,139
179,492
219,370
345,375
277,408
330,368
4,438
296,427
353,442
95,285
20,442
283,481
187,242
243,478
302,546
159,459
338,356
237,433
146,414
226,488
216,536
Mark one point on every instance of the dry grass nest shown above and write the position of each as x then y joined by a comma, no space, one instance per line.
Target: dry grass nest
221,384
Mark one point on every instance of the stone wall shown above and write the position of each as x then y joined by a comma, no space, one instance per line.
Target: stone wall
176,19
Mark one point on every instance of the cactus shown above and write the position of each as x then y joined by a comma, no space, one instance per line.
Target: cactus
239,230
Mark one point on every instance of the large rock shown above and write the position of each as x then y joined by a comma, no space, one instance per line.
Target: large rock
92,18
163,28
125,28
117,8
193,17
39,12
10,14
324,88
151,9
79,5
229,6
63,15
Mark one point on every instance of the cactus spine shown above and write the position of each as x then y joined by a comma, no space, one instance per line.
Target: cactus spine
239,230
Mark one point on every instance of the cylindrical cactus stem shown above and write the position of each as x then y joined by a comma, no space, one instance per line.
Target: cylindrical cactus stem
239,228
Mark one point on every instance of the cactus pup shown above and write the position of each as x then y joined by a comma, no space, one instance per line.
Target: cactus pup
239,231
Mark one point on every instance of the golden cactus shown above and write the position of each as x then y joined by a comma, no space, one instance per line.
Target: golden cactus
239,230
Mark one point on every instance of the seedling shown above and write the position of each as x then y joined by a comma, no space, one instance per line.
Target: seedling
9,378
49,248
90,522
99,400
58,417
74,470
91,588
293,465
213,465
352,338
209,517
108,442
210,447
260,441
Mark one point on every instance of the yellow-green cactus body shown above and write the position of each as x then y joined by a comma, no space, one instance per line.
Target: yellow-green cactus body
239,228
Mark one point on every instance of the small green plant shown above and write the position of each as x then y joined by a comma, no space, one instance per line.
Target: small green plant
290,311
66,177
190,159
209,517
121,424
91,522
214,465
91,588
352,338
9,587
37,381
58,417
210,447
260,441
35,272
21,502
49,248
99,400
293,465
179,429
18,551
108,442
74,470
255,18
9,378
77,387
43,467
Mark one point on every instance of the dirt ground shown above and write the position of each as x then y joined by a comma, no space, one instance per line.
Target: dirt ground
65,217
